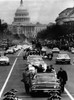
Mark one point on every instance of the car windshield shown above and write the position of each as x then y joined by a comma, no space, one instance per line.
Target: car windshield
3,57
62,55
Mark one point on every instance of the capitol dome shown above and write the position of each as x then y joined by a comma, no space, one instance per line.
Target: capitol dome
21,14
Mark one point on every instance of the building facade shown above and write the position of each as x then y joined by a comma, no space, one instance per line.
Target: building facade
65,16
22,24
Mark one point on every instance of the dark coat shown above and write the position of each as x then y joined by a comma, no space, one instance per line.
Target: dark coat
63,75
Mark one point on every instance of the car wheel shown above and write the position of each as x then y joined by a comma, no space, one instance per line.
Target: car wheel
24,58
32,93
8,63
68,62
27,88
57,62
4,54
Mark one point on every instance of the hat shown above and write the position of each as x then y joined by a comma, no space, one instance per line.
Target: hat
13,90
9,93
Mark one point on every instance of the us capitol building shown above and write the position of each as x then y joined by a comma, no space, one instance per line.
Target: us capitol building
22,25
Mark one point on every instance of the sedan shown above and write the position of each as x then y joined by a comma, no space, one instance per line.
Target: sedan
9,51
55,50
63,58
4,60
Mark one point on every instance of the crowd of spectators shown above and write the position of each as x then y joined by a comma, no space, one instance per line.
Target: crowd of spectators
64,42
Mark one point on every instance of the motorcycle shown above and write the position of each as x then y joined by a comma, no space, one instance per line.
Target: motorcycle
54,95
11,95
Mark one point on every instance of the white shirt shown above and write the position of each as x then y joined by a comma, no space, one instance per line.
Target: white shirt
31,68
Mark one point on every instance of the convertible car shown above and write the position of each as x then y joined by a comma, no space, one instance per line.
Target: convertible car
9,51
28,52
36,60
4,60
33,58
42,82
63,58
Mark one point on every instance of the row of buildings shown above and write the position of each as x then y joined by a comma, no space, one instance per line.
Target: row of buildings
22,25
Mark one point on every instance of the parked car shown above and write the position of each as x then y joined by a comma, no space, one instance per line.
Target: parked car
4,60
63,58
9,51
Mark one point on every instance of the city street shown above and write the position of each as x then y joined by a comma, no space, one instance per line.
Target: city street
13,80
44,26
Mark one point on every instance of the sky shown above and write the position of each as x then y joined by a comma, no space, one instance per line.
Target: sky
43,11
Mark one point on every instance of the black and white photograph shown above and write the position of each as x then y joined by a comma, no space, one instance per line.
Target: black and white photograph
36,49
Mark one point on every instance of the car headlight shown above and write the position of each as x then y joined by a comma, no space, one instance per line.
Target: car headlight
56,86
7,60
34,87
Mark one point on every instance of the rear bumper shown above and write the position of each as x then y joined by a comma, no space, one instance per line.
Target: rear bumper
45,90
3,63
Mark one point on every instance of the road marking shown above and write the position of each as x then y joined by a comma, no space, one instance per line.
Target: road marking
7,78
1,92
72,63
71,97
20,52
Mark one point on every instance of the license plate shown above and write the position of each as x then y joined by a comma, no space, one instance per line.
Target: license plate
45,90
1,62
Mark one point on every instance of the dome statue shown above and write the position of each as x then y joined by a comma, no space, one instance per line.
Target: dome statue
21,14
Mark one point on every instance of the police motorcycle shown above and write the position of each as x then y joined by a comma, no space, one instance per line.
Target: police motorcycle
11,95
54,95
26,53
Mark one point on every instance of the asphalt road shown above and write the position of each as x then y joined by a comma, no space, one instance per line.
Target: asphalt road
10,77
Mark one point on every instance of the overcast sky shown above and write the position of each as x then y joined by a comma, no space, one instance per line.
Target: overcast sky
44,11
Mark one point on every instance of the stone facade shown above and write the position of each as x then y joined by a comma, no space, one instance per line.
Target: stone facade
66,15
22,24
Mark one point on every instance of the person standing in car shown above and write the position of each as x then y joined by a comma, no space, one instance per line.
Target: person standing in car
50,69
